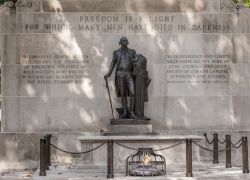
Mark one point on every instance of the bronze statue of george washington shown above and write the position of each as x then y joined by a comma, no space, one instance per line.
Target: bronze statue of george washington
124,80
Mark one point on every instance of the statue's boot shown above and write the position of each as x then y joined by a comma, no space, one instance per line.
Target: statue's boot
124,106
132,107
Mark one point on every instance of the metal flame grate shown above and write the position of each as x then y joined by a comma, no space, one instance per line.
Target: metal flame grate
145,163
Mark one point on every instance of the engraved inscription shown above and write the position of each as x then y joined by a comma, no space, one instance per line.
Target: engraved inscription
56,69
213,68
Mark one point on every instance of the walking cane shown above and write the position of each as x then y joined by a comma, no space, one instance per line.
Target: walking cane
107,86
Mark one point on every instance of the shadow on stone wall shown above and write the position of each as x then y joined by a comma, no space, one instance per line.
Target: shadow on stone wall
85,106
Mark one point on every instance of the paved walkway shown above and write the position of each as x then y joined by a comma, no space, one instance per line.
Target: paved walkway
79,171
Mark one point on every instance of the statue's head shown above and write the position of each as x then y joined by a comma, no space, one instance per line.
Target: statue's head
124,41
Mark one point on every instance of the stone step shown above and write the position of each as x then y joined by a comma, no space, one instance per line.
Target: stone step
130,128
110,133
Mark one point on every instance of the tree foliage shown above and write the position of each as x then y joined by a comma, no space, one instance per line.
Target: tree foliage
245,2
2,1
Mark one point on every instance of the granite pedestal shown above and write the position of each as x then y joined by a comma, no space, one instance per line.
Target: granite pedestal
129,127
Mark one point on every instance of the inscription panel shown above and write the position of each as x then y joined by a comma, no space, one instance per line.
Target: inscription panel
194,69
107,22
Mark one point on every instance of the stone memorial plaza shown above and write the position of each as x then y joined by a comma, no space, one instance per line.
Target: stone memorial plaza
55,53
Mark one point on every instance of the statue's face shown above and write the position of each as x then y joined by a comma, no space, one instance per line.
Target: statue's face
124,41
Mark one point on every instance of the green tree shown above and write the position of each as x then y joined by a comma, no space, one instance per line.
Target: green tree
245,2
2,1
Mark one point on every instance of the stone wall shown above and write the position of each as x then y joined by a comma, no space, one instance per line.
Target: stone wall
55,53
